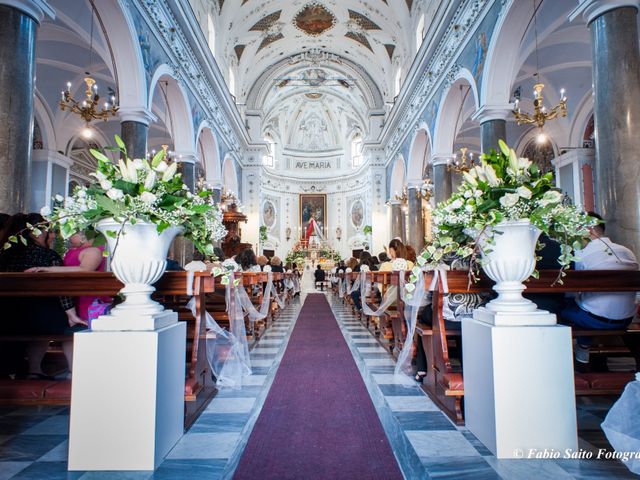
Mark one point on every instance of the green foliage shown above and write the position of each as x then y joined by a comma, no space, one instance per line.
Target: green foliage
503,188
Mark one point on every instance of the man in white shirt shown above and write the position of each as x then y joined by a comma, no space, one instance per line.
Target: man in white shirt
605,310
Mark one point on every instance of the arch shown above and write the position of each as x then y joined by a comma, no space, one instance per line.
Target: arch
397,176
229,175
180,118
43,115
580,119
126,51
207,151
503,54
450,109
419,155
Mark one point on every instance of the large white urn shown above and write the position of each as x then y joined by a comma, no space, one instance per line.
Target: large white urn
510,261
138,259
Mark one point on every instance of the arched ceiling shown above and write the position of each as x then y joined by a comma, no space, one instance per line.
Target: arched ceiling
372,35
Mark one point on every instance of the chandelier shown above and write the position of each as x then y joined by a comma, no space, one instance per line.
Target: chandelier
89,108
462,164
402,197
540,113
425,192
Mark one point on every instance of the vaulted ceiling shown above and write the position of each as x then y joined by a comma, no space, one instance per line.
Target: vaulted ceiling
373,35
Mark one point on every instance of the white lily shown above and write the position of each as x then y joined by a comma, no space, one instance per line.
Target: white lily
509,199
492,178
106,184
99,176
170,172
115,194
550,198
138,163
133,172
523,192
150,181
480,173
162,166
470,178
148,197
45,211
513,161
124,173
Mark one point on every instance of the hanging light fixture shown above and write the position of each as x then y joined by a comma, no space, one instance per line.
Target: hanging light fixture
463,163
540,113
425,192
90,108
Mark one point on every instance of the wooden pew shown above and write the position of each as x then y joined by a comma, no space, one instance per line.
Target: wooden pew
170,289
444,383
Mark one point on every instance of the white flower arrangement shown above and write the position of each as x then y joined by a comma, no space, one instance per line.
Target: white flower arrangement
503,188
137,190
399,265
267,269
365,268
348,270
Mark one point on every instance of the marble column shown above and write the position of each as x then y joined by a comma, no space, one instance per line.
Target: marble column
19,21
442,177
187,167
493,125
134,128
616,79
397,220
414,217
183,250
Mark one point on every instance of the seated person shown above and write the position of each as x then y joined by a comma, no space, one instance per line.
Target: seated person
610,310
36,316
411,254
82,256
248,261
597,310
276,265
548,260
397,249
456,307
382,257
319,276
262,262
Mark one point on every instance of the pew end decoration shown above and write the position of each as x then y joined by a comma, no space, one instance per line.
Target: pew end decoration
138,206
494,220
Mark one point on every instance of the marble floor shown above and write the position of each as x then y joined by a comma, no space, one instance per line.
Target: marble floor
33,440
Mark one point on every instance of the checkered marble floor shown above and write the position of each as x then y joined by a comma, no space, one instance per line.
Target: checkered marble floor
428,445
34,440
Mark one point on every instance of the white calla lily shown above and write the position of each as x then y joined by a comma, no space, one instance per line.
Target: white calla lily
170,172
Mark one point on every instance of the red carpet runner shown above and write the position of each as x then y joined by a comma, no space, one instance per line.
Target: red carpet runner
318,421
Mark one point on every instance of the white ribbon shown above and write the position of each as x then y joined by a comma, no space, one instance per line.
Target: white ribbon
440,272
411,308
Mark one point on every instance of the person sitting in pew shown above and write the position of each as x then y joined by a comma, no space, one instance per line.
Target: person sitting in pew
319,276
276,265
248,261
36,316
397,249
600,311
82,256
456,307
262,262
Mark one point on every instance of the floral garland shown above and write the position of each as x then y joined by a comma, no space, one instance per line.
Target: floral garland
503,188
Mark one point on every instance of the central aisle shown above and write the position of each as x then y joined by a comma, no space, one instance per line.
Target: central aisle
318,421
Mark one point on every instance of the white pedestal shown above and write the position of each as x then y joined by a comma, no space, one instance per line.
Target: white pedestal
133,322
519,395
127,398
508,319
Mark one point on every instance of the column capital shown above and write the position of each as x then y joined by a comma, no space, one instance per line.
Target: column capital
185,157
393,203
492,112
135,114
36,9
592,9
441,158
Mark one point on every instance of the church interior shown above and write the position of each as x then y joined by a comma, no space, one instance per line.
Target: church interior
319,239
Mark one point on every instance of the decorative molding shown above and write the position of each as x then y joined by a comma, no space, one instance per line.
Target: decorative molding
438,70
188,69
